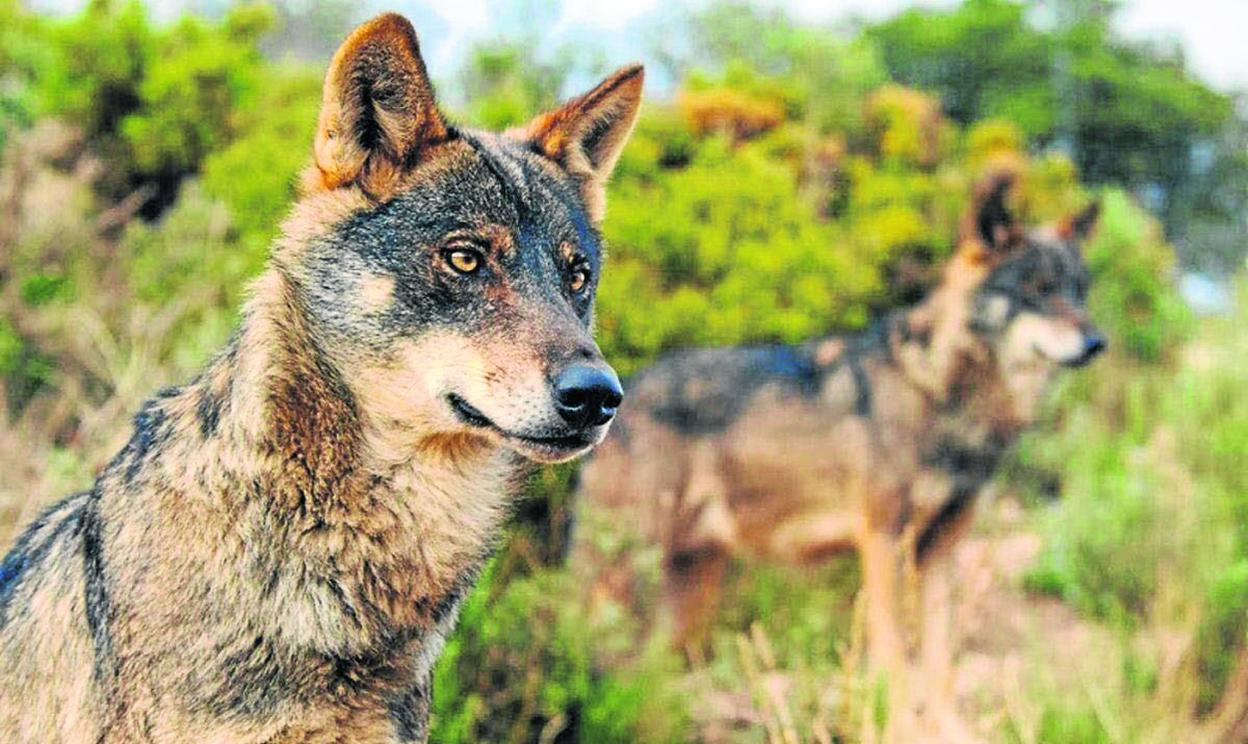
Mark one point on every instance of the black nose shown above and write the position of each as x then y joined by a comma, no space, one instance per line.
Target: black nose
587,396
1093,344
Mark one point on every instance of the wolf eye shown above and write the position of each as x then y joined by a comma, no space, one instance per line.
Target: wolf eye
463,260
579,279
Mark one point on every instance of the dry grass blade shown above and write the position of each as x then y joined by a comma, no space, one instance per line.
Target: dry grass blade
749,664
772,684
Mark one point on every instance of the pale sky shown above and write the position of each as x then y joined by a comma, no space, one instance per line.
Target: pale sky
1210,31
1212,34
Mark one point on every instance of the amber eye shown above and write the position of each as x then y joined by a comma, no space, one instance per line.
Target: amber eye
463,260
579,280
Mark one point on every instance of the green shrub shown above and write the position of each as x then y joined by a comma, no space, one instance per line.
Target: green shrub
256,174
1133,269
524,664
1153,524
152,102
196,80
722,250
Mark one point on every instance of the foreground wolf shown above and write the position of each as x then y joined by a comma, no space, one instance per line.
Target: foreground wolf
281,548
878,443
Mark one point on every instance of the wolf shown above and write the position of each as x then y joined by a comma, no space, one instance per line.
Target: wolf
877,443
280,550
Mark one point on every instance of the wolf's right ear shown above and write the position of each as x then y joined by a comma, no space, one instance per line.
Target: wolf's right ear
990,220
1080,226
378,109
587,134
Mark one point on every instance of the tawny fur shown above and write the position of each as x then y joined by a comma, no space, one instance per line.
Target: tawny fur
280,551
877,444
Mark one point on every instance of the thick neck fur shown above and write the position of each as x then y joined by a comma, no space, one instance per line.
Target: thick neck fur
954,368
276,443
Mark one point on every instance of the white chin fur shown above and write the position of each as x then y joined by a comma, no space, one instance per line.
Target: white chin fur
1053,339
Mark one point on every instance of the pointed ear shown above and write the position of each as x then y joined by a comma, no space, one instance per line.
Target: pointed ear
1079,227
989,220
378,110
587,134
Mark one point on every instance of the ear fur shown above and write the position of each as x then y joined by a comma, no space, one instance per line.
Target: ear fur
586,135
377,111
990,221
1080,226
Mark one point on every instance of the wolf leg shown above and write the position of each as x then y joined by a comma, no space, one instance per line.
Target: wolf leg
692,586
937,637
882,568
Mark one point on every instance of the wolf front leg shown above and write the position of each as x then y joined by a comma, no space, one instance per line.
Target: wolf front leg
692,586
937,590
883,565
697,548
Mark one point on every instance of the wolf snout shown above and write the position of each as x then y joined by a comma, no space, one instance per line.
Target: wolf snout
587,396
1093,344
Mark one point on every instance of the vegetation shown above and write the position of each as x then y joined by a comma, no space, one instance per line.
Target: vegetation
1074,85
798,181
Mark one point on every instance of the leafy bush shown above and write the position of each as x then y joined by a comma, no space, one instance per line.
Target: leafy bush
721,250
1153,525
255,174
1137,304
153,102
525,665
196,80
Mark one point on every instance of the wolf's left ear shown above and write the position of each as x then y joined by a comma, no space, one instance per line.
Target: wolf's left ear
377,110
1079,227
587,134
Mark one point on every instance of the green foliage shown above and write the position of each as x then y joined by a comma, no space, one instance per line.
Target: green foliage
1224,628
1129,113
195,81
506,84
524,660
96,66
256,174
1072,726
41,288
1154,492
191,262
10,349
23,368
22,57
721,250
1138,307
823,76
153,102
982,57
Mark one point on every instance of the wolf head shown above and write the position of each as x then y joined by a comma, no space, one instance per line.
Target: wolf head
1032,306
449,275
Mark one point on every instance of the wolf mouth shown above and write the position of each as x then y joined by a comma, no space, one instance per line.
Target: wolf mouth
470,415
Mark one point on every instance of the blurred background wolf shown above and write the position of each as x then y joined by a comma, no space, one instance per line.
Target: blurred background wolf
800,170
